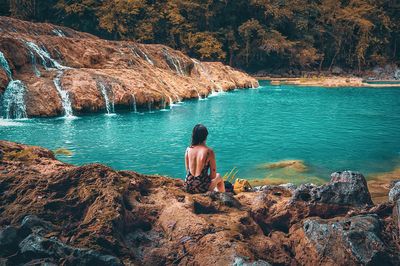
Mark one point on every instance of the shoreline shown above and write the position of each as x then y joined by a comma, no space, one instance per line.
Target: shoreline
331,82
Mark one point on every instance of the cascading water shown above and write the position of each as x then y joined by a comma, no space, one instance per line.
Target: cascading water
58,32
65,101
13,100
134,103
34,66
5,66
109,104
149,105
174,61
47,61
136,51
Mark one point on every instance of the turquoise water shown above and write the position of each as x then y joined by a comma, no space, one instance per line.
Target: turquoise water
329,129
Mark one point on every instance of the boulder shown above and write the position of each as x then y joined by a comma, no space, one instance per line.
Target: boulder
37,247
394,193
345,188
349,241
396,215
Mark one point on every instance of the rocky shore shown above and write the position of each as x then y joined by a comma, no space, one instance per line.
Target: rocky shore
65,72
56,213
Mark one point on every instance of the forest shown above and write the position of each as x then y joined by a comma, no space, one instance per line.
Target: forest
249,34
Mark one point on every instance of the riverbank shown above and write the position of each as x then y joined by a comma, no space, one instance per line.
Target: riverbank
52,212
48,70
332,81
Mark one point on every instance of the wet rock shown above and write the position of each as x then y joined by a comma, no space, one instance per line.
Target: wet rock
349,241
345,188
394,193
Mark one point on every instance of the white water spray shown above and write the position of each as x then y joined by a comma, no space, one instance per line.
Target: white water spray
109,104
13,100
64,95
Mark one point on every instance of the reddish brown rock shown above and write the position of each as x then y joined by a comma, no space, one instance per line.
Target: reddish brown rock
153,74
106,216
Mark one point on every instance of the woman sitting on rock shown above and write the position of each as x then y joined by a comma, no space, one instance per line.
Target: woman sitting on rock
200,165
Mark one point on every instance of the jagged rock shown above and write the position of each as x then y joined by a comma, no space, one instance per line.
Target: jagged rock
394,193
33,223
92,210
345,188
242,262
396,215
349,241
38,247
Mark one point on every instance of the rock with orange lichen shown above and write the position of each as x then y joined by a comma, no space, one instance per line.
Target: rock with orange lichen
52,212
133,73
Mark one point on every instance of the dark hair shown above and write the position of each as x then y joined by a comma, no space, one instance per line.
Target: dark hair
199,134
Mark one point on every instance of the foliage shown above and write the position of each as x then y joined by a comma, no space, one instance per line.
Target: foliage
252,34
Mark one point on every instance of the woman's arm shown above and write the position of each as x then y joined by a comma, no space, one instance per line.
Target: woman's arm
213,164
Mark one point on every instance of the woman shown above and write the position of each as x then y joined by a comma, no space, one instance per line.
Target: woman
200,165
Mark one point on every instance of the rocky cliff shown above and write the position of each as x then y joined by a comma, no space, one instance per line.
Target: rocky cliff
52,212
65,72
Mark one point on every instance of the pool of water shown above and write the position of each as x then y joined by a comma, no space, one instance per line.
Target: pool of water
328,129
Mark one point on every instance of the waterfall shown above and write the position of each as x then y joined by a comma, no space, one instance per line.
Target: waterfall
13,100
47,61
134,103
33,62
175,62
136,51
64,95
109,104
58,32
149,105
5,66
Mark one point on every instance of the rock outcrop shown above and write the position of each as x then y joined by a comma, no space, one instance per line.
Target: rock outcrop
56,213
60,67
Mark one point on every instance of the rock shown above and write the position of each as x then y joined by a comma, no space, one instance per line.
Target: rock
38,247
394,193
345,188
396,215
349,241
241,262
92,214
337,70
130,71
33,223
8,241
